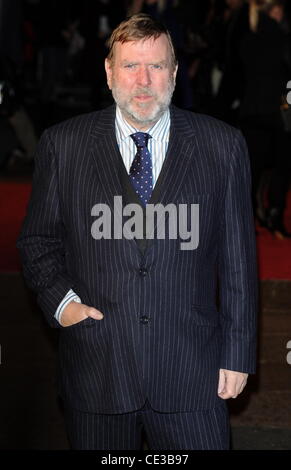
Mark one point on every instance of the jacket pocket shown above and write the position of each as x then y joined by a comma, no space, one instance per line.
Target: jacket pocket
87,322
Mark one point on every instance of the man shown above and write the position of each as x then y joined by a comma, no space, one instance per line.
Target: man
147,348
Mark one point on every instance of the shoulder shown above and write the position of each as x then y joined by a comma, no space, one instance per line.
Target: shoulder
205,127
215,141
75,124
80,126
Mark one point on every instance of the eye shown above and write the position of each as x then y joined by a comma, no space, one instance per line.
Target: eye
130,66
156,66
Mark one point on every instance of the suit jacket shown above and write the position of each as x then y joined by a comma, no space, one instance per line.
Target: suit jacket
163,336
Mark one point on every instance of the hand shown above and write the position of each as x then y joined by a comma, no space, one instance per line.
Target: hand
75,312
231,383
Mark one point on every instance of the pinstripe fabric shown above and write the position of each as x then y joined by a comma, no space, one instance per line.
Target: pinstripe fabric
207,430
89,431
198,430
162,336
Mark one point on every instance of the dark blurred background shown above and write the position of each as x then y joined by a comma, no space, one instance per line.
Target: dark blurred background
234,64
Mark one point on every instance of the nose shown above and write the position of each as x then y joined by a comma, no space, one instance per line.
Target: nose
143,77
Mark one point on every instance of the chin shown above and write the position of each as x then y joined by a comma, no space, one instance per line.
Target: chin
144,116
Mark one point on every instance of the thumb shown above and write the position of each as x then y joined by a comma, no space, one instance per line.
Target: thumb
221,382
94,313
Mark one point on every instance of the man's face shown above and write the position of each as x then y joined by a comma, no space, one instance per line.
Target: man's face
142,79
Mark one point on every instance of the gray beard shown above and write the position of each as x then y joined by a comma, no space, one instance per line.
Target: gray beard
136,117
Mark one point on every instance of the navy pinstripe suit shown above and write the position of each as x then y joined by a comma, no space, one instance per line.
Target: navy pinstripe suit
162,337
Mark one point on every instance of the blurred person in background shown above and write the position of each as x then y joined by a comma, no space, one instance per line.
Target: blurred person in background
257,69
264,51
17,131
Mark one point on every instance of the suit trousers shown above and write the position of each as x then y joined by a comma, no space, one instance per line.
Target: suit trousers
196,430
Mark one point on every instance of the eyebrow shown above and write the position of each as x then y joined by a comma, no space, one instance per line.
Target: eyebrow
158,62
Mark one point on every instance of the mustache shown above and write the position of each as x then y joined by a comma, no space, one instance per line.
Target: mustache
143,91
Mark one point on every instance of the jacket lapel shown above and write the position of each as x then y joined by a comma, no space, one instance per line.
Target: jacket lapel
181,150
106,155
109,163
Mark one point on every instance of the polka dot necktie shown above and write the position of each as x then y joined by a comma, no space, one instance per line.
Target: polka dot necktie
141,174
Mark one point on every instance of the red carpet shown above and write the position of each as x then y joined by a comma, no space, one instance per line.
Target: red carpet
13,202
274,255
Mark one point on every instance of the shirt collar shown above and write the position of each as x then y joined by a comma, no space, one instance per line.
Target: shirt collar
159,132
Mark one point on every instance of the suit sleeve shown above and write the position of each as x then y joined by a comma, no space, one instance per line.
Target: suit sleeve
237,267
41,241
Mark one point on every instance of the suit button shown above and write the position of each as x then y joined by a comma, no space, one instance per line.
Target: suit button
143,271
144,320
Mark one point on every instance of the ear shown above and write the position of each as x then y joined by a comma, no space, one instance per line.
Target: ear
108,69
175,73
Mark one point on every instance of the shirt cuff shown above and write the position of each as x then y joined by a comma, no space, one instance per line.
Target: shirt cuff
69,297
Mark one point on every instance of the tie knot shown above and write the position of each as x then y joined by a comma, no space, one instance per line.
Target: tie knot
140,139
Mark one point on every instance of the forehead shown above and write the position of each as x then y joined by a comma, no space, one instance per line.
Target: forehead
154,49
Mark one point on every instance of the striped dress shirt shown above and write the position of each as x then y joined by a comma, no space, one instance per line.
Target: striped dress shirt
157,147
